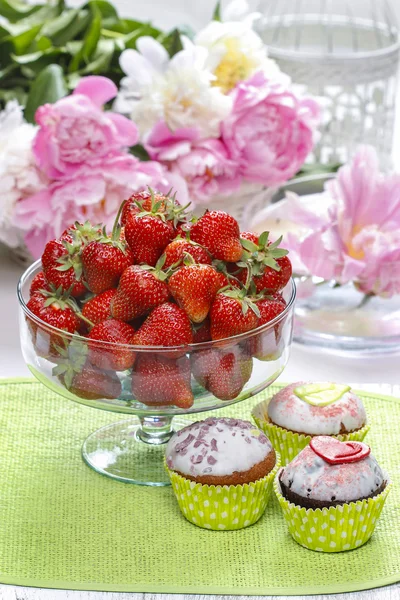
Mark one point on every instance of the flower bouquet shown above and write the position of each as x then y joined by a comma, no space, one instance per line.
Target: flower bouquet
347,259
211,117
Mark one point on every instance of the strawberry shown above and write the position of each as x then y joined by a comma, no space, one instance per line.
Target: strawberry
160,381
271,267
140,201
54,308
249,235
219,233
176,250
148,235
149,232
62,265
232,313
168,325
194,287
39,282
94,384
140,289
98,308
83,379
202,332
115,355
223,372
105,259
263,345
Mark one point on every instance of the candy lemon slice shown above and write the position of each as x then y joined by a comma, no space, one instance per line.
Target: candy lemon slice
321,394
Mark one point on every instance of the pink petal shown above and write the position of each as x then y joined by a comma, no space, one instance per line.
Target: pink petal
99,89
127,131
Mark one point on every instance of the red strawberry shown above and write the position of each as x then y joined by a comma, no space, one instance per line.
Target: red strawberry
62,266
232,314
176,250
148,236
168,325
224,373
82,378
39,282
104,260
273,280
98,308
113,355
202,332
219,233
263,345
94,384
160,381
271,268
140,290
56,309
194,287
140,201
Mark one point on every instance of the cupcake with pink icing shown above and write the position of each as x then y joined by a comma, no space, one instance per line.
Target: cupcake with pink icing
302,410
332,494
222,472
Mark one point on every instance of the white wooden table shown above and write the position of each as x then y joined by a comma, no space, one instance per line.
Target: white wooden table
301,365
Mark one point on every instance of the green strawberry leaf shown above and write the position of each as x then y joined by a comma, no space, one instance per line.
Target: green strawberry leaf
263,239
249,245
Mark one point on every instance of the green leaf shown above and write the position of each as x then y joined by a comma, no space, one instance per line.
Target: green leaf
14,10
140,152
43,43
102,58
217,12
263,239
48,87
249,245
90,41
172,42
67,26
108,13
22,41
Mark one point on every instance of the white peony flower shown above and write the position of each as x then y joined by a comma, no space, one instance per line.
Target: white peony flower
179,91
19,176
235,51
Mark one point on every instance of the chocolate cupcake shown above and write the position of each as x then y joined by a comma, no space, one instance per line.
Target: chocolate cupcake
221,471
300,411
329,472
332,494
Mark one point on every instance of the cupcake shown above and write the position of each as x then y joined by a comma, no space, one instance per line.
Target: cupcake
331,494
300,411
222,471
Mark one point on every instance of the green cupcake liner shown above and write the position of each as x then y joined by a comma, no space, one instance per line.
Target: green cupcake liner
333,529
289,443
223,507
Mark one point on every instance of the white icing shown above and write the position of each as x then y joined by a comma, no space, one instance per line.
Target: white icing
217,447
287,410
311,477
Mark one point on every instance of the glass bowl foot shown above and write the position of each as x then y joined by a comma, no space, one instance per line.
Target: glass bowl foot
132,451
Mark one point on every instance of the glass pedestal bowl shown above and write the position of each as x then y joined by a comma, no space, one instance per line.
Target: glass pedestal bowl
211,374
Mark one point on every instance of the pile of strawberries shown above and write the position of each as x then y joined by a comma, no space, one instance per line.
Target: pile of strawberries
161,279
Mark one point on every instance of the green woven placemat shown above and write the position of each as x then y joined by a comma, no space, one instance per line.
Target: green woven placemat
64,526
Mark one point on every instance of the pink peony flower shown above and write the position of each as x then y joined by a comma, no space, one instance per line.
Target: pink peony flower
208,171
359,238
269,132
75,131
95,193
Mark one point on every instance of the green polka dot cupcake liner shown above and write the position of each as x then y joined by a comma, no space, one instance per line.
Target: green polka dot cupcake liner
223,507
333,529
289,443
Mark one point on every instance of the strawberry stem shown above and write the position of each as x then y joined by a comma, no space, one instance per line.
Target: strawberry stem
116,230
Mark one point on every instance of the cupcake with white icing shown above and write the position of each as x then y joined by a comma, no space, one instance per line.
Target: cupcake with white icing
221,471
331,494
301,410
